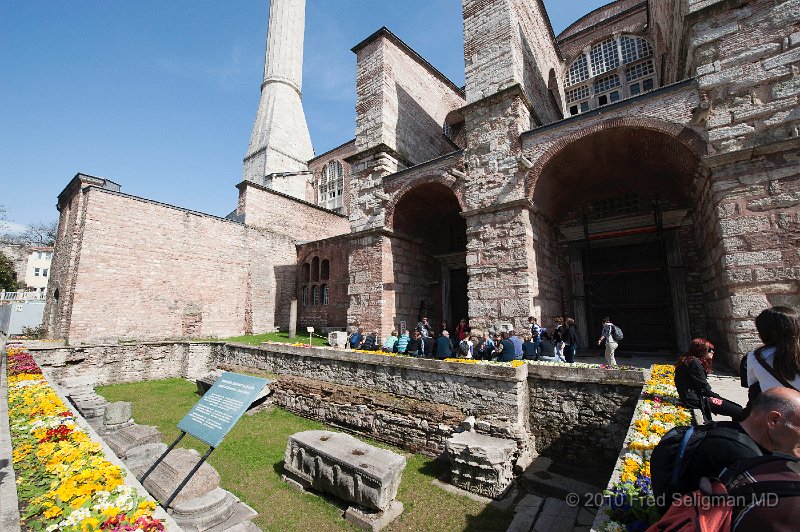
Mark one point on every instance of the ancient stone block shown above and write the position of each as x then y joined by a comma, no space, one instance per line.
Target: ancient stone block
163,481
117,413
341,465
481,464
124,440
337,339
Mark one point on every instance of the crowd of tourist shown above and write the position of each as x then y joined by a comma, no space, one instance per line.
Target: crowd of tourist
559,344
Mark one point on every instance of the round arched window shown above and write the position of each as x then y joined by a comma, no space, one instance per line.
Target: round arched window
612,69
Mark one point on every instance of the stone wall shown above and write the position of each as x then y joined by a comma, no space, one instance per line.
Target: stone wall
413,403
746,58
118,363
580,423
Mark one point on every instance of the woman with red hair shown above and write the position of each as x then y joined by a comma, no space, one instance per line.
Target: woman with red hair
691,379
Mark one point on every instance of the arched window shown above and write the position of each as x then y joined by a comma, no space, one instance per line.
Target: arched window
304,296
610,70
306,272
315,295
324,294
325,270
315,269
331,186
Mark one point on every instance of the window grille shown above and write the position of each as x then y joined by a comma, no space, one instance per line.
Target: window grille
639,71
324,294
606,84
634,48
616,206
331,186
578,94
578,71
604,56
304,296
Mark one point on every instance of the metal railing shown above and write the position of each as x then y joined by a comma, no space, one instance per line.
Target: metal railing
23,296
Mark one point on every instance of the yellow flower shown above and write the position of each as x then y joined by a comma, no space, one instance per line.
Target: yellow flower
53,511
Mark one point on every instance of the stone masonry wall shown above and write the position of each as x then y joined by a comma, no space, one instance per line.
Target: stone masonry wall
581,424
502,274
413,403
535,56
746,58
112,364
491,393
749,225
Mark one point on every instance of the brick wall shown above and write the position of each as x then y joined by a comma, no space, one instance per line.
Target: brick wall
401,100
278,213
333,314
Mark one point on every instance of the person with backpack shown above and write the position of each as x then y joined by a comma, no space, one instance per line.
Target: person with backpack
777,362
357,338
612,335
691,380
685,455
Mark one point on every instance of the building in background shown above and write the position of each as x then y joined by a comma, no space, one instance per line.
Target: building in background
37,270
642,164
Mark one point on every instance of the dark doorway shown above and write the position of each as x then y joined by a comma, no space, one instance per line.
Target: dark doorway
627,284
458,295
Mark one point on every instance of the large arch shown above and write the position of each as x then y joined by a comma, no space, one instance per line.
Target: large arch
617,196
429,252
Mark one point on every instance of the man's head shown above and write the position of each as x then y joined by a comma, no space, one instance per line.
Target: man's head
774,421
425,320
445,333
531,319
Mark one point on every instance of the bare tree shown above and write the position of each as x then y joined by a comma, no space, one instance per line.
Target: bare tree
38,234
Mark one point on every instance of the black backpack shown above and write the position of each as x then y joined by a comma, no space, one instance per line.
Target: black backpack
671,458
616,333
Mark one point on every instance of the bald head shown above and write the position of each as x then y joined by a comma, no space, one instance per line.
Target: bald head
774,420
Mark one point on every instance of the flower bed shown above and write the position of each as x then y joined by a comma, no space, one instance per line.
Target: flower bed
629,501
64,481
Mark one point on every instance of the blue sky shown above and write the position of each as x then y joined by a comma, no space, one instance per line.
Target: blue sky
161,96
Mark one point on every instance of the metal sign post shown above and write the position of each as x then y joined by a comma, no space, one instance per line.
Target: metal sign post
212,417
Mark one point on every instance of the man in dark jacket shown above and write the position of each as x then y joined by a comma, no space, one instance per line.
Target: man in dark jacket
443,346
507,354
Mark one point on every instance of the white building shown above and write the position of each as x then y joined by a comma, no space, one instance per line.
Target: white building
37,272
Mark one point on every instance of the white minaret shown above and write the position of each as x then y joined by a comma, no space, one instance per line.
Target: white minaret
280,142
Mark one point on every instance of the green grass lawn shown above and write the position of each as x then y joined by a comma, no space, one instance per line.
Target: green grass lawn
282,337
250,462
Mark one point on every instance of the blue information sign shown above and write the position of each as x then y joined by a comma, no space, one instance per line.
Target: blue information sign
215,414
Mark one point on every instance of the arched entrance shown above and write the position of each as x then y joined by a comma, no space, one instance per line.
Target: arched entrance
430,268
620,200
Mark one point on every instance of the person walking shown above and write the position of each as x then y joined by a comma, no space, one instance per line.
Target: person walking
607,334
570,340
557,335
